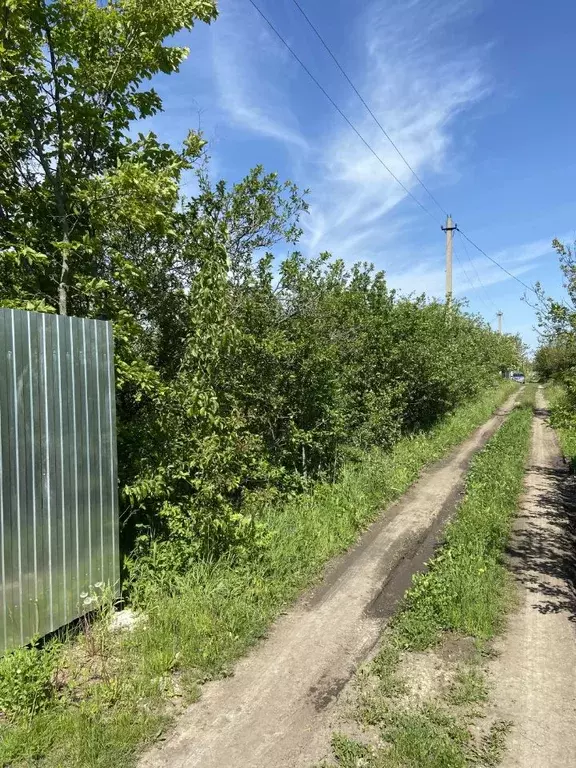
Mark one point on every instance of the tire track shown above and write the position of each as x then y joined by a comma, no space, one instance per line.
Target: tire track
277,710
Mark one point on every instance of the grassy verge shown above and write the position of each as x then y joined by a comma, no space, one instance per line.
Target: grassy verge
114,692
565,431
425,687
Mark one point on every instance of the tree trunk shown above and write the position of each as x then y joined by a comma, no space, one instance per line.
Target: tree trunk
63,286
57,178
64,264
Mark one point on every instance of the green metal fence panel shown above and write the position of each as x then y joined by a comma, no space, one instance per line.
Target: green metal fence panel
58,471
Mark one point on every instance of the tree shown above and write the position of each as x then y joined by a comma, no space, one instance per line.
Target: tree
556,356
71,77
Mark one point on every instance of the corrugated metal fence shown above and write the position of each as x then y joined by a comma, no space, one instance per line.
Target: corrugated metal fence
58,475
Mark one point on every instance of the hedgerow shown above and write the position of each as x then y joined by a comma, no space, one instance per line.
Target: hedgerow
244,370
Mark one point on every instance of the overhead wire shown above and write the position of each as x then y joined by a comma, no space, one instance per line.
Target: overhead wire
497,263
469,280
369,110
479,279
463,268
364,140
340,112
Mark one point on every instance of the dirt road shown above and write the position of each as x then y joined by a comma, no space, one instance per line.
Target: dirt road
276,711
535,675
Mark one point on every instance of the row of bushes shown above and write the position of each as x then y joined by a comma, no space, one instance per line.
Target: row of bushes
317,365
241,375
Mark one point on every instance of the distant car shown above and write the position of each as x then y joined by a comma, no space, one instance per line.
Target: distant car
519,377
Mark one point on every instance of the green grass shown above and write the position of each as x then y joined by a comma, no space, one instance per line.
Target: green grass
465,587
428,738
117,693
565,431
493,745
468,687
465,592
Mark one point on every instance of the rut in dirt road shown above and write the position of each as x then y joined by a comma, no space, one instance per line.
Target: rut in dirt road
535,675
277,709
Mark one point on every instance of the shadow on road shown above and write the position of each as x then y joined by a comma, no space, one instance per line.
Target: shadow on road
543,551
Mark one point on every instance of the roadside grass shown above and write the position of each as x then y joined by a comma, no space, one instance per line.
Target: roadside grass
465,588
115,692
460,601
565,430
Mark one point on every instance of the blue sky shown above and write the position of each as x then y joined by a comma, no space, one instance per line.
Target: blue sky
478,95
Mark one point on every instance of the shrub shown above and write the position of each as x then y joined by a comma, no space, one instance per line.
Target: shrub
26,681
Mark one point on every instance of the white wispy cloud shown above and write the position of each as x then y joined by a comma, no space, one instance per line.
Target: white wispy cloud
415,84
416,88
244,54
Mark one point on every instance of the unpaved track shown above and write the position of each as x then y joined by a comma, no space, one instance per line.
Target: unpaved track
276,712
535,675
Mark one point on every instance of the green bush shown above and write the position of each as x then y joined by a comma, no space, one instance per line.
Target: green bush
26,681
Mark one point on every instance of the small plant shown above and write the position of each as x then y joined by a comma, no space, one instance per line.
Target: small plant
349,753
99,603
100,600
469,687
26,681
494,743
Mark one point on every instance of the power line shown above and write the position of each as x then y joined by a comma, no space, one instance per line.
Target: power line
368,145
472,243
470,282
461,265
340,112
369,110
387,135
484,289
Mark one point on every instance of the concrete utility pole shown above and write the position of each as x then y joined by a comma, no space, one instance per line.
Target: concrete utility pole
449,229
499,315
